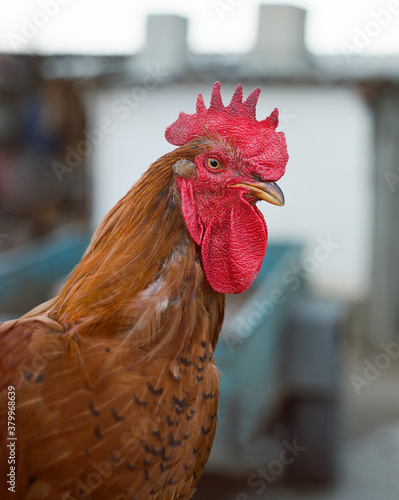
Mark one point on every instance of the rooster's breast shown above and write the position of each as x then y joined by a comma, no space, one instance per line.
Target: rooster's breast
115,428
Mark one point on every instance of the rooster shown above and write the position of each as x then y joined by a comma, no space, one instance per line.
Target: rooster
112,383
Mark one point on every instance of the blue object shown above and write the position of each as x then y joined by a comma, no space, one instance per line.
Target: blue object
28,274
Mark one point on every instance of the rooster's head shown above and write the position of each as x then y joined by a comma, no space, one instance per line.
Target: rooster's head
238,159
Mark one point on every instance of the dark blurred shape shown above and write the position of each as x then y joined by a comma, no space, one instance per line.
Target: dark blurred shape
38,119
313,371
382,315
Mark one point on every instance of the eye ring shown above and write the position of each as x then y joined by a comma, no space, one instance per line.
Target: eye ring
213,163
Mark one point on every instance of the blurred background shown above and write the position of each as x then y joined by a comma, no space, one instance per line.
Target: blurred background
309,355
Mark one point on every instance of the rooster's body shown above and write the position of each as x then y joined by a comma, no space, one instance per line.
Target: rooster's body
116,388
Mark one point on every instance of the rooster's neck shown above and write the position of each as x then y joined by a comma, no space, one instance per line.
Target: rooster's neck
141,266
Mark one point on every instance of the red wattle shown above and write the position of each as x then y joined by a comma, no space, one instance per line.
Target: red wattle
233,248
234,241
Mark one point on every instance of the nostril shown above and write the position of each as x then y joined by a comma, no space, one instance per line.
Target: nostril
257,177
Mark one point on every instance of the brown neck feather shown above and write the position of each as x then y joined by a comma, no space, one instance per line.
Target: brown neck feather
141,244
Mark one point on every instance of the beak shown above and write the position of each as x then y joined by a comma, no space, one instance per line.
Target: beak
267,191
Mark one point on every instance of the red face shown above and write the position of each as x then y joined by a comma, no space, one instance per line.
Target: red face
219,208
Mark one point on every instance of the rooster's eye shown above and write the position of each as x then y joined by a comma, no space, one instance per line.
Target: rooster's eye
213,163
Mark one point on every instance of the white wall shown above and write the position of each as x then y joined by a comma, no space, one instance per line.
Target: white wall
328,188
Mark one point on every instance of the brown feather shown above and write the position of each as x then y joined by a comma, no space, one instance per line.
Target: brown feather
117,388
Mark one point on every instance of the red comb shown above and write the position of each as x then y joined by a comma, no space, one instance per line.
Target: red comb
237,123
